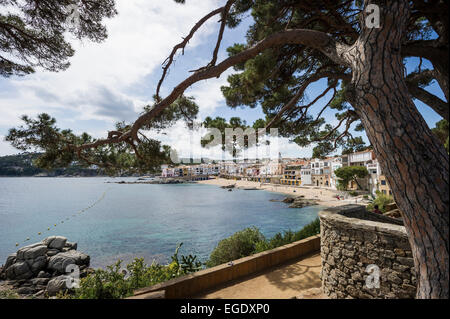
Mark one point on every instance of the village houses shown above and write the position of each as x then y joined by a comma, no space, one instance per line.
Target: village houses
313,172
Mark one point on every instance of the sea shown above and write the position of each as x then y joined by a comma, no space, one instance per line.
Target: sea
112,221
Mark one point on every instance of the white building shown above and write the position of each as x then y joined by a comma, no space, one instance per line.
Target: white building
305,173
271,168
335,164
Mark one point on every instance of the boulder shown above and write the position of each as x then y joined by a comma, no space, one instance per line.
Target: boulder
57,284
60,261
19,270
52,252
55,242
35,252
31,251
10,260
71,246
26,291
288,200
38,264
300,202
40,281
31,269
43,274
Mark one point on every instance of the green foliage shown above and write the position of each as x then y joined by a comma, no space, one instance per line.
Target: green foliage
8,294
33,33
271,79
442,132
23,165
250,241
234,146
289,236
184,108
353,193
114,283
381,200
240,244
58,148
354,145
350,173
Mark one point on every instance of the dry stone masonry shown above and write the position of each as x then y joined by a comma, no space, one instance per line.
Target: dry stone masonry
365,255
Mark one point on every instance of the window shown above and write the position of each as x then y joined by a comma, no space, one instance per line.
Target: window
383,182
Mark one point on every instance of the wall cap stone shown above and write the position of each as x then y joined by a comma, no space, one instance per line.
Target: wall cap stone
336,216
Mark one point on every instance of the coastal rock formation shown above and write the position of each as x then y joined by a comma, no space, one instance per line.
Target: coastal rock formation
300,202
297,202
57,285
41,267
60,261
229,186
156,181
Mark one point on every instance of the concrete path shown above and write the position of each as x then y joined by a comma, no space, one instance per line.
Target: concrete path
297,279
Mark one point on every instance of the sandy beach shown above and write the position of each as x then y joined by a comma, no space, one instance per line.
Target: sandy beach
325,197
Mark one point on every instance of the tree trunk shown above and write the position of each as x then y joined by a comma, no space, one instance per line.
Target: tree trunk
412,158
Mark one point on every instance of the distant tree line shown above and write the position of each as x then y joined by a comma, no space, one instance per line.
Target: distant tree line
23,165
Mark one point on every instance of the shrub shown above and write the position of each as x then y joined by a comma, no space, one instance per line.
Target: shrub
254,242
353,193
238,245
350,173
8,294
381,200
115,282
311,229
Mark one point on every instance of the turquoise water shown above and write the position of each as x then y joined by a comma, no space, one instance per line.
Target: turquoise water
136,220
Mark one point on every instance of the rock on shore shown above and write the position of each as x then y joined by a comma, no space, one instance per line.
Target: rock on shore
40,268
300,202
297,202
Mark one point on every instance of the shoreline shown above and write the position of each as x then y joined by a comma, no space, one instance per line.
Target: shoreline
324,197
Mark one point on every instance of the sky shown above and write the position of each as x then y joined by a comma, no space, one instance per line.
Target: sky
112,81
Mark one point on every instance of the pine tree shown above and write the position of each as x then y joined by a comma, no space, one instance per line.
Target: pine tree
359,48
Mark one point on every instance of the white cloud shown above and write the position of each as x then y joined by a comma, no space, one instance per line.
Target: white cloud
208,94
5,148
100,83
187,143
105,81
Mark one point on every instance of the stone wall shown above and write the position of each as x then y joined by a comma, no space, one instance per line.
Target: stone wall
354,243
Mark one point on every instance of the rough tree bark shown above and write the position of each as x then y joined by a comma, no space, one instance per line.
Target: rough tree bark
413,160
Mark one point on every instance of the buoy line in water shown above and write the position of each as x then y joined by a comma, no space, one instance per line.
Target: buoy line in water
73,215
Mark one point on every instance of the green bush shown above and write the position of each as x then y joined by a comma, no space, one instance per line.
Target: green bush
250,241
381,200
238,245
114,283
353,193
8,294
311,229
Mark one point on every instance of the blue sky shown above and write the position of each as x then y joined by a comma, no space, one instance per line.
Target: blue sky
112,81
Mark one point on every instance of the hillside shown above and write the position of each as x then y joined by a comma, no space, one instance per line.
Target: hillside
22,165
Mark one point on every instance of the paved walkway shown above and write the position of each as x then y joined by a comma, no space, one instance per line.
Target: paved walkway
297,279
